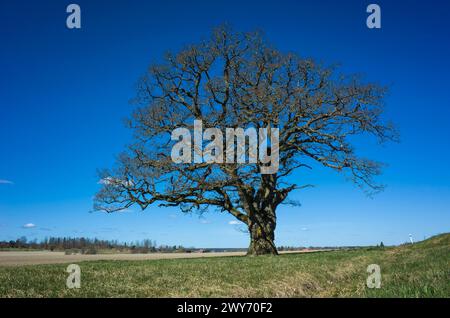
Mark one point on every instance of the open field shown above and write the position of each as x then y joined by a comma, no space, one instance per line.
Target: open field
419,270
45,257
18,258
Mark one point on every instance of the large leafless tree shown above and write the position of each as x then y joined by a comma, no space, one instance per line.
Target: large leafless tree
239,80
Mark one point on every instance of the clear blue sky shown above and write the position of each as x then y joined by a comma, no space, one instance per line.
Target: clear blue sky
64,94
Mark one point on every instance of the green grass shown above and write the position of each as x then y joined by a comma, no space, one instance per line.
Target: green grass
419,270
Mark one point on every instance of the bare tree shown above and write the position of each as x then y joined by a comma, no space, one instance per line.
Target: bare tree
239,80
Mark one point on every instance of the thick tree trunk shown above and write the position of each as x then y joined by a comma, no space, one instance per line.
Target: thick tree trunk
262,236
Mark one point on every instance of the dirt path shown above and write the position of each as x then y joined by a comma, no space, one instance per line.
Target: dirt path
47,257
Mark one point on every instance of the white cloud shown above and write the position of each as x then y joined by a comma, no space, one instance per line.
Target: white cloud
234,222
28,226
304,229
205,222
3,181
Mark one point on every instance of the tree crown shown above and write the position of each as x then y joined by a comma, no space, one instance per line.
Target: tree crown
239,80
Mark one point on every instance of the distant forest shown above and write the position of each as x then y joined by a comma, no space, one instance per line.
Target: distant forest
94,245
88,245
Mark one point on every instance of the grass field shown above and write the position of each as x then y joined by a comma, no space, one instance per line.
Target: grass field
419,270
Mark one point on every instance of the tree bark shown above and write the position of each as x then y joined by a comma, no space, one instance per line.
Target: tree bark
262,235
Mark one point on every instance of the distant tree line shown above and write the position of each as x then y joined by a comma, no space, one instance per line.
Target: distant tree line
85,245
88,245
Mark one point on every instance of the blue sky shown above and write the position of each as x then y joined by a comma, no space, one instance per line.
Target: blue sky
64,94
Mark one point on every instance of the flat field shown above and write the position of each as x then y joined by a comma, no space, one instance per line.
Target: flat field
47,257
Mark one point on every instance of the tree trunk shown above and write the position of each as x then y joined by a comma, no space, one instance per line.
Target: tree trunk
262,236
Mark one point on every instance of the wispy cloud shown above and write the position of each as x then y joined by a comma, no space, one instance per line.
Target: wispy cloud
28,226
234,222
205,222
304,229
3,181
